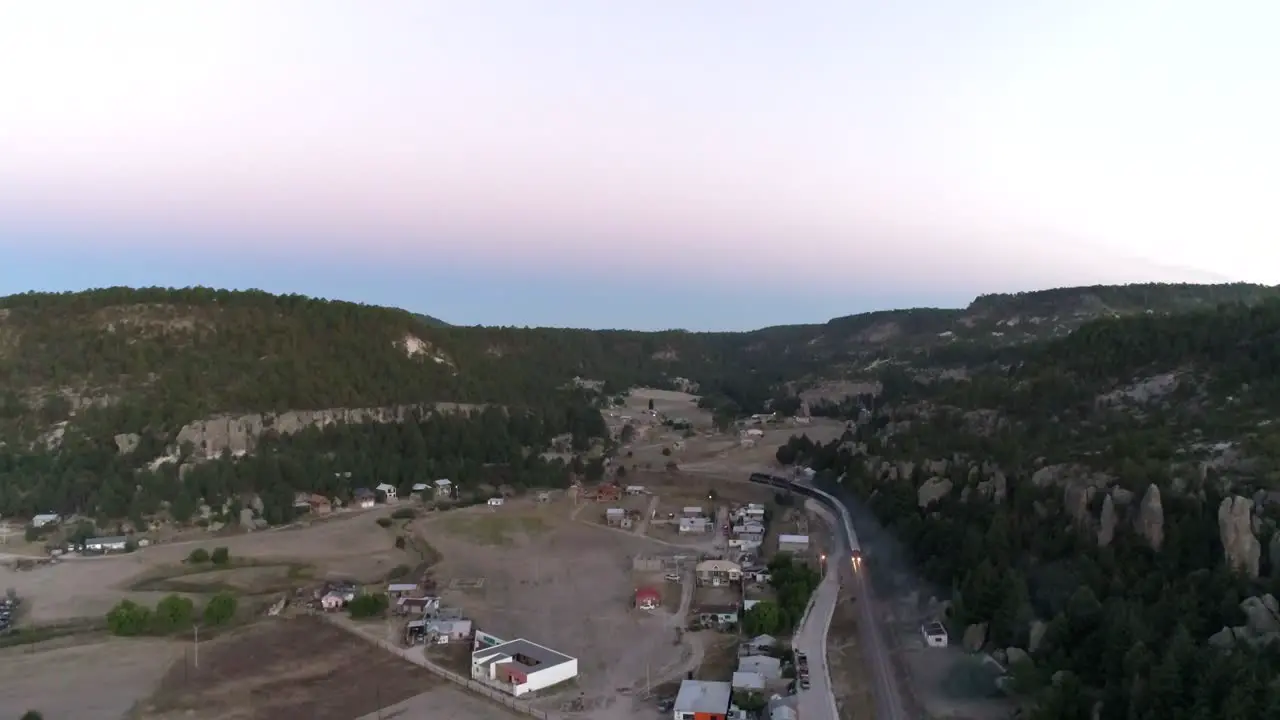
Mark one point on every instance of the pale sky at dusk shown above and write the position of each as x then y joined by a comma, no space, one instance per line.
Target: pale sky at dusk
716,164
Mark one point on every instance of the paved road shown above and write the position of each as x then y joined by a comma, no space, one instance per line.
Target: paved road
819,701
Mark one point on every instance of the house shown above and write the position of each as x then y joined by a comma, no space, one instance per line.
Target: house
43,519
444,488
319,504
749,681
793,543
935,635
420,487
749,527
417,606
451,629
782,708
691,511
333,601
756,576
695,525
754,433
388,490
397,590
365,498
761,643
106,544
648,598
747,541
717,572
702,700
716,615
520,666
636,490
767,667
495,502
615,516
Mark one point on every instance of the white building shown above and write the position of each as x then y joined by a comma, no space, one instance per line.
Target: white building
495,502
636,490
45,519
521,666
444,488
793,543
691,511
388,490
702,698
747,541
420,487
935,635
694,525
749,681
106,544
767,667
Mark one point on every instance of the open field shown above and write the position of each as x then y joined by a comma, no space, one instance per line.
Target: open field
71,678
569,587
300,668
350,546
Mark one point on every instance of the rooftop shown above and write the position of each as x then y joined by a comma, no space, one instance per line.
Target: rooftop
703,696
935,628
794,539
106,540
529,655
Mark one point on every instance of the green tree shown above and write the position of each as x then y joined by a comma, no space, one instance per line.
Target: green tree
368,605
220,609
172,613
128,619
220,556
198,556
32,715
764,618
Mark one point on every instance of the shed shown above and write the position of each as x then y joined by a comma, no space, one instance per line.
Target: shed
45,519
443,487
793,543
388,490
420,487
398,589
495,501
648,598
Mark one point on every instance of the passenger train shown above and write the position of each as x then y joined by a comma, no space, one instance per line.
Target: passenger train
791,485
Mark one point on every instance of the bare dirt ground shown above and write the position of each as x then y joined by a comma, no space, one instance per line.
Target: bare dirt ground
98,679
568,585
282,669
351,546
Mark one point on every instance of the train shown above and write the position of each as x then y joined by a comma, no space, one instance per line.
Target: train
785,483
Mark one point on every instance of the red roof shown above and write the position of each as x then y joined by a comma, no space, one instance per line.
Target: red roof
648,592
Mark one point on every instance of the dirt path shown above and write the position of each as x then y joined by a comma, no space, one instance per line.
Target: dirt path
643,526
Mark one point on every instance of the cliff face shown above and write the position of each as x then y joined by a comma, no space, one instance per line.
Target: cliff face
239,434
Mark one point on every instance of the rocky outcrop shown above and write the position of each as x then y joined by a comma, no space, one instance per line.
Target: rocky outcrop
932,491
1016,656
996,488
1235,528
1107,522
975,636
1075,500
1150,520
1262,624
1035,634
1273,549
127,442
239,433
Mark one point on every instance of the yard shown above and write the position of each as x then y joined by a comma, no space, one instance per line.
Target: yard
300,668
569,587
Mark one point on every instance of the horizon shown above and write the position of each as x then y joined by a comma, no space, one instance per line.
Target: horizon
823,321
726,166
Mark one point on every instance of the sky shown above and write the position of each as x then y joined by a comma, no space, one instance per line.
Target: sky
724,164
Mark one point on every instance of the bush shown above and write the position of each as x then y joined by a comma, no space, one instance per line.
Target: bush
384,522
32,715
172,613
220,556
404,514
128,618
221,609
400,542
367,606
666,451
198,556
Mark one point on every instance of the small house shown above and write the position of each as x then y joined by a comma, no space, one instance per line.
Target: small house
761,643
636,490
695,525
420,487
766,666
717,615
387,490
793,543
495,502
397,590
106,544
717,572
747,541
365,498
691,511
444,488
614,516
703,700
417,605
43,519
935,635
748,681
319,505
451,629
332,601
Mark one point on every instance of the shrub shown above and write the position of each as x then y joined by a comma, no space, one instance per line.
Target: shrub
384,522
404,514
666,451
128,618
220,610
400,543
173,613
197,556
220,556
366,605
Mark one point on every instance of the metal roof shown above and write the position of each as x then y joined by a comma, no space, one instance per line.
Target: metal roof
703,696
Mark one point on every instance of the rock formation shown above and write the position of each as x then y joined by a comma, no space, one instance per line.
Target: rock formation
1239,545
932,491
975,636
1107,522
1150,521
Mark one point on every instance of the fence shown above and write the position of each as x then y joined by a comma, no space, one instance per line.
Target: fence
467,683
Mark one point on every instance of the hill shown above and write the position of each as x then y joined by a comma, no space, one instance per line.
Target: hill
1103,508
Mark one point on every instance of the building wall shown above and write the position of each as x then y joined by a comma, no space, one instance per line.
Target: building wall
551,676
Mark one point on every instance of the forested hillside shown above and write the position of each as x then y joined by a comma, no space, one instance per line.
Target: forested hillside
1104,505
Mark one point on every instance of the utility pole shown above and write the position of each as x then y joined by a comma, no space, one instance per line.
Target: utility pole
196,630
